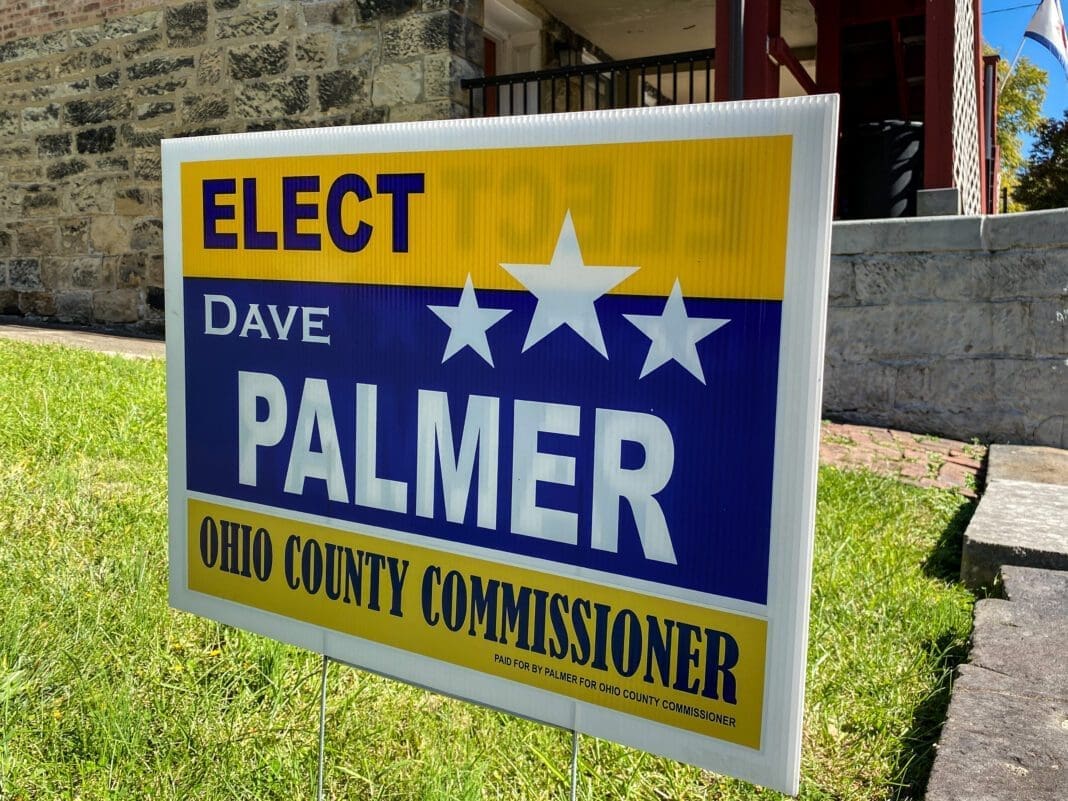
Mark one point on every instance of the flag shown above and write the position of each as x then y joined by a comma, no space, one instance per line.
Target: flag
1047,28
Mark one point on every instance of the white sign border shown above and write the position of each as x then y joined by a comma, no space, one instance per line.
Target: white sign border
812,124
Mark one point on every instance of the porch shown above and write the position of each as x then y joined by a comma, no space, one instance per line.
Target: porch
918,101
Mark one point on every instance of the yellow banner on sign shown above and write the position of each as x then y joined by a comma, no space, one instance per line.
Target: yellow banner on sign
711,213
686,666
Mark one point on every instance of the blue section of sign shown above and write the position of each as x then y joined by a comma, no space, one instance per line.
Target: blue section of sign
716,504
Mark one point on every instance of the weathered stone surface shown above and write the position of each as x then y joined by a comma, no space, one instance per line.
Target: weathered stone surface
431,110
96,140
64,169
342,89
1016,523
36,303
442,73
147,165
187,25
160,87
53,145
9,123
259,59
136,48
110,234
157,108
357,47
82,60
116,306
74,234
74,306
86,37
153,68
9,301
1000,748
1027,230
201,108
136,202
272,99
116,27
90,112
1027,463
210,67
256,23
419,34
1043,594
40,201
148,236
931,234
24,273
33,46
107,80
897,279
226,5
373,10
313,51
92,196
37,238
397,83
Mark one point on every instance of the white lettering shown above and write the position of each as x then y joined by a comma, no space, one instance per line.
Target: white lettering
530,466
316,413
378,493
253,433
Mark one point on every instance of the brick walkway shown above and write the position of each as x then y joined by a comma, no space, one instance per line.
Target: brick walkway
916,458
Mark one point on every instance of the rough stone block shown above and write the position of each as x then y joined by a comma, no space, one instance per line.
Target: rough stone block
24,273
96,140
255,23
1042,593
395,84
201,108
210,67
432,110
442,73
92,196
342,89
131,25
158,88
418,34
9,123
52,146
156,108
892,279
137,201
372,10
147,165
77,113
313,51
258,60
37,304
86,37
226,5
36,238
964,385
841,291
861,332
155,67
1049,327
107,80
74,234
854,387
272,99
187,26
40,201
1027,463
142,46
9,301
357,47
110,234
148,236
74,306
1029,274
1016,523
996,747
937,202
116,306
82,60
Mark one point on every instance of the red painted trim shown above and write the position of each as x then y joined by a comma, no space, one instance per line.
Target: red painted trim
862,13
781,52
938,100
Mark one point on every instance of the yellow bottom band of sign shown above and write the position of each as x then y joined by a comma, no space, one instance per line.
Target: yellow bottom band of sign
679,664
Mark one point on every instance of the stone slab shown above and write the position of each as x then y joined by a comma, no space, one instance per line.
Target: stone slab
907,235
1044,591
1028,463
999,747
1016,523
1015,640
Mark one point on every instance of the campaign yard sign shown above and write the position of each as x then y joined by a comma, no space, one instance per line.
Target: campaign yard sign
522,410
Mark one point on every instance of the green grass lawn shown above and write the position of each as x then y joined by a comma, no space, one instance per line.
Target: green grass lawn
106,693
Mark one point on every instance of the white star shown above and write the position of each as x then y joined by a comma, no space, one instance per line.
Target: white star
674,335
566,289
468,324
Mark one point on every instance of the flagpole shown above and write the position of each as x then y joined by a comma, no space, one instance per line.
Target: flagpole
1012,67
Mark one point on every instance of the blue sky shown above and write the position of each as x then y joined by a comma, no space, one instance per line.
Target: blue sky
1004,23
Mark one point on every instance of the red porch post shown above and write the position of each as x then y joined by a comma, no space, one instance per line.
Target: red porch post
828,45
762,21
938,103
723,50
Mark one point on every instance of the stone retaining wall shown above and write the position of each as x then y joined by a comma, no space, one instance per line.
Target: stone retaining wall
952,325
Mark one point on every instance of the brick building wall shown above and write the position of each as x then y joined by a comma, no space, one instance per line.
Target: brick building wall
88,89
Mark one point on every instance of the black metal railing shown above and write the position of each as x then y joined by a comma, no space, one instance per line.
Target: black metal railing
669,79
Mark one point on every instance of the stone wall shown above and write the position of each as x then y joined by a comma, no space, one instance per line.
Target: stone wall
952,325
89,89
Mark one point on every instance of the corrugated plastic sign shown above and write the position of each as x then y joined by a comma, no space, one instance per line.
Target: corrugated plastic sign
522,410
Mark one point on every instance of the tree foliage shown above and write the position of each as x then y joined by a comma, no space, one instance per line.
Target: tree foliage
1043,181
1019,113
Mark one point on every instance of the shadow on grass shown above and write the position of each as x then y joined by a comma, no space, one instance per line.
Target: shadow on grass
913,766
